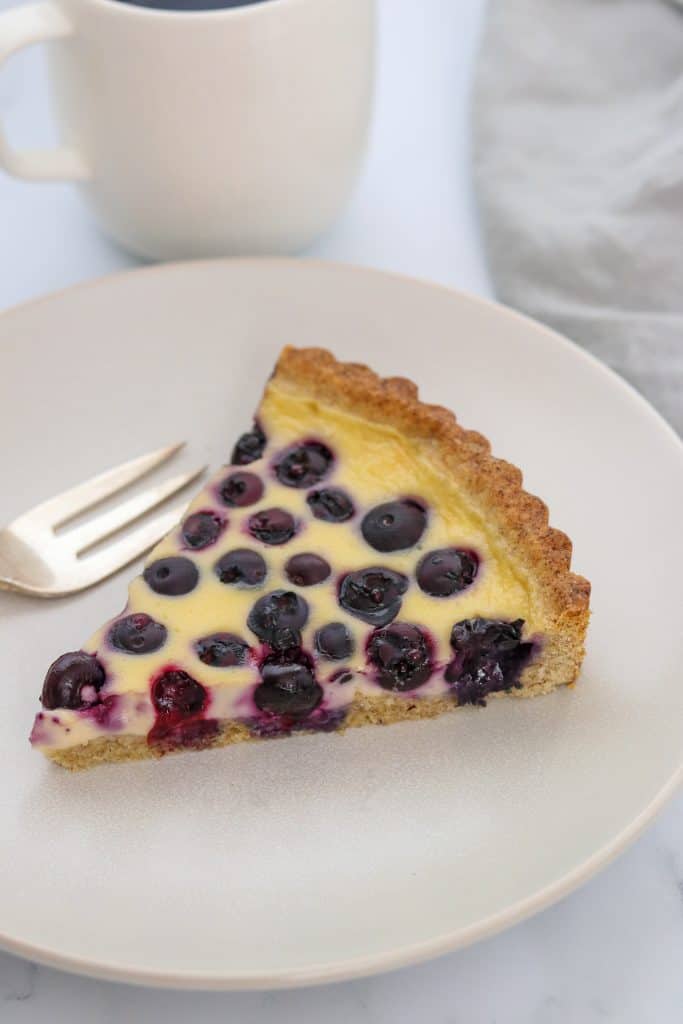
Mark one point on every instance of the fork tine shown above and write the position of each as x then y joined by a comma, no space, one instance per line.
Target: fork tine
83,537
102,564
58,510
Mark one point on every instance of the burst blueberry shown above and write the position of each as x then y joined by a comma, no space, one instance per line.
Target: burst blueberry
401,653
222,650
241,489
177,693
73,681
447,571
272,526
249,447
330,504
278,618
373,595
137,634
202,529
241,567
288,686
489,656
303,465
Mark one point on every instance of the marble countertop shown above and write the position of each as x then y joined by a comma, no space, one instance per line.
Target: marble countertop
611,951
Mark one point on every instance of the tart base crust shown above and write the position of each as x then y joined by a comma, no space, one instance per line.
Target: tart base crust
492,486
365,710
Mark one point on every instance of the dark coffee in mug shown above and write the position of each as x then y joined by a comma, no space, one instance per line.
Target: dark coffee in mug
193,5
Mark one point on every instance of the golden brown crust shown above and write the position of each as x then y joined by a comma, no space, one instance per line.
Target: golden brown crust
385,709
492,485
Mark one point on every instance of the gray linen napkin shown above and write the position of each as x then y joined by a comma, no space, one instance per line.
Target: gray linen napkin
578,166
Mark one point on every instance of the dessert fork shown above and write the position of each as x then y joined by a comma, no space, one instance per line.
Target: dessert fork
35,560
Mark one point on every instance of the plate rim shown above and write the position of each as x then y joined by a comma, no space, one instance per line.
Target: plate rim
367,965
103,280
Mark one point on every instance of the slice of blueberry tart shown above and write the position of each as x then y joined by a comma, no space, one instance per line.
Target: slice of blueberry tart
363,559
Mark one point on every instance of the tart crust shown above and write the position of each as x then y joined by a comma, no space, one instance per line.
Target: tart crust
493,486
364,710
494,489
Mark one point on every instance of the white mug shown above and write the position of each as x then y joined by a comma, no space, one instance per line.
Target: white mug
205,133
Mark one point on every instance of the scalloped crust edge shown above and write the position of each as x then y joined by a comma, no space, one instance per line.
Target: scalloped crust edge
491,485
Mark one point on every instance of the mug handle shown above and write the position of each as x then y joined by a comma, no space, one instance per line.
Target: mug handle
20,27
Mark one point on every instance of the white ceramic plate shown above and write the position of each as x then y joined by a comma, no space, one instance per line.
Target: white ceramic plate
325,857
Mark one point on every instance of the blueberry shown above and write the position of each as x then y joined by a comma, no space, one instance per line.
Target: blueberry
373,595
395,525
303,465
446,571
330,504
306,569
241,489
288,685
137,634
402,655
222,650
334,641
489,656
249,447
201,529
73,681
272,525
172,576
177,693
277,619
241,566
